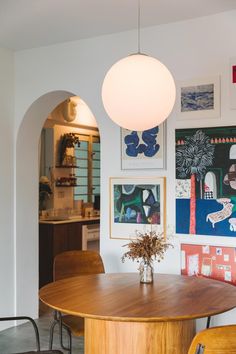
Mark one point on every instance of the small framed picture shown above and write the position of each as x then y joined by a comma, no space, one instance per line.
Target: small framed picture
232,88
137,204
143,149
199,98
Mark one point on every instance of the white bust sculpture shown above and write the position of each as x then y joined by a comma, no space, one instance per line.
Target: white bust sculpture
69,110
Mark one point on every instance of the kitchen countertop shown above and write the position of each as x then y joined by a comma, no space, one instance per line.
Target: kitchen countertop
65,220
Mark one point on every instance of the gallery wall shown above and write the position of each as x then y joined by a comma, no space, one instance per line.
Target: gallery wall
6,186
192,49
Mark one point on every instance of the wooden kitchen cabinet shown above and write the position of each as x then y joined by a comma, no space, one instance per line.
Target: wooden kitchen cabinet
57,237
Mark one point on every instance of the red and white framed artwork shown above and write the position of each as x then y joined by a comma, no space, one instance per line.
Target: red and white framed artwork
215,262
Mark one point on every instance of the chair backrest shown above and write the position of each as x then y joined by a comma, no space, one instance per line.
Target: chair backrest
36,331
72,263
215,340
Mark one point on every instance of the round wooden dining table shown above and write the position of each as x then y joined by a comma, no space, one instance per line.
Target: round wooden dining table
123,316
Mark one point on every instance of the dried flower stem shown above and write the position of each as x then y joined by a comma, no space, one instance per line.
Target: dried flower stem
147,247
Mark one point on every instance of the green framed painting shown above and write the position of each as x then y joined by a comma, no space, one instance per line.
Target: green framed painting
137,204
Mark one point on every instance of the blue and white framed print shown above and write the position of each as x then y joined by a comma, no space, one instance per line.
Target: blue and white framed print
143,149
198,98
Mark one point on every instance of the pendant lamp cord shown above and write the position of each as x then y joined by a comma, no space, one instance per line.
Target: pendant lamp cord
138,26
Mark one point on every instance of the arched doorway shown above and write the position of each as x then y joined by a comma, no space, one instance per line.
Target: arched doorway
210,187
26,202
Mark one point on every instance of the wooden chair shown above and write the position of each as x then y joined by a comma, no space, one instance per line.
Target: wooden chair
69,264
36,331
215,340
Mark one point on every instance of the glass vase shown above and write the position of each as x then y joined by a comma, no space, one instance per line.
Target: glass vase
146,272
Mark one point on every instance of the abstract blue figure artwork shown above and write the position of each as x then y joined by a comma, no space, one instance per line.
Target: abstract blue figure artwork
137,203
143,149
147,146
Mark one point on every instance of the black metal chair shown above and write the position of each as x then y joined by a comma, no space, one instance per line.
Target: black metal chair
37,340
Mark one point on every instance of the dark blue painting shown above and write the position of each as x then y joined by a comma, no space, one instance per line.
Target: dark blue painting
206,181
148,145
143,149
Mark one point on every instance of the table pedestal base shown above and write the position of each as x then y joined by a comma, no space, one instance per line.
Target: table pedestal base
113,337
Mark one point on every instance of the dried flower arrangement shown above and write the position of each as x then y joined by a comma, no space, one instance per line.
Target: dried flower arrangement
147,247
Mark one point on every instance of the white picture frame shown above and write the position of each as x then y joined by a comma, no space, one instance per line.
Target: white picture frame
143,149
198,98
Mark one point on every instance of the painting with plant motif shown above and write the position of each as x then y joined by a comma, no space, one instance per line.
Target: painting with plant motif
206,181
137,204
143,149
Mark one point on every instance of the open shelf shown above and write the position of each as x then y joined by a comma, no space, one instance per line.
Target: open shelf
66,166
65,186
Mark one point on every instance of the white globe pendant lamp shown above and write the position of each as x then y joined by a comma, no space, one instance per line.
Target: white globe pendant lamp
138,91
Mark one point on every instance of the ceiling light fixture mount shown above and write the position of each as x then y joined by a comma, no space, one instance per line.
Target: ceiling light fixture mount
138,91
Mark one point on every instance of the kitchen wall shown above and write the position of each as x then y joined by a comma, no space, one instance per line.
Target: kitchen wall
192,49
55,127
62,198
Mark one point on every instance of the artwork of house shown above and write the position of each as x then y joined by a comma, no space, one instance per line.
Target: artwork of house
216,262
206,181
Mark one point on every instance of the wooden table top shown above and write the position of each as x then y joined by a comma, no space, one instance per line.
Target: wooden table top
121,297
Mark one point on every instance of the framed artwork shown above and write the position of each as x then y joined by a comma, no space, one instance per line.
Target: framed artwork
137,204
206,181
143,149
199,98
232,89
215,262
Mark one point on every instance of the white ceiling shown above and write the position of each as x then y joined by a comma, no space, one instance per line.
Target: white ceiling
34,23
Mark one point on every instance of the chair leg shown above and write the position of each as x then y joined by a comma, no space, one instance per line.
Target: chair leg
51,333
61,326
52,327
58,321
208,321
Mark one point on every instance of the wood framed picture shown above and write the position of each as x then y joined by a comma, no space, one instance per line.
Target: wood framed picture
143,149
137,204
198,98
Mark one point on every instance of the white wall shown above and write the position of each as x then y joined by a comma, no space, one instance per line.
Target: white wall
6,185
26,186
191,49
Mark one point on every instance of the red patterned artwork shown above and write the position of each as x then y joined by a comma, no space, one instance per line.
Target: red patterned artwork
234,74
215,262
